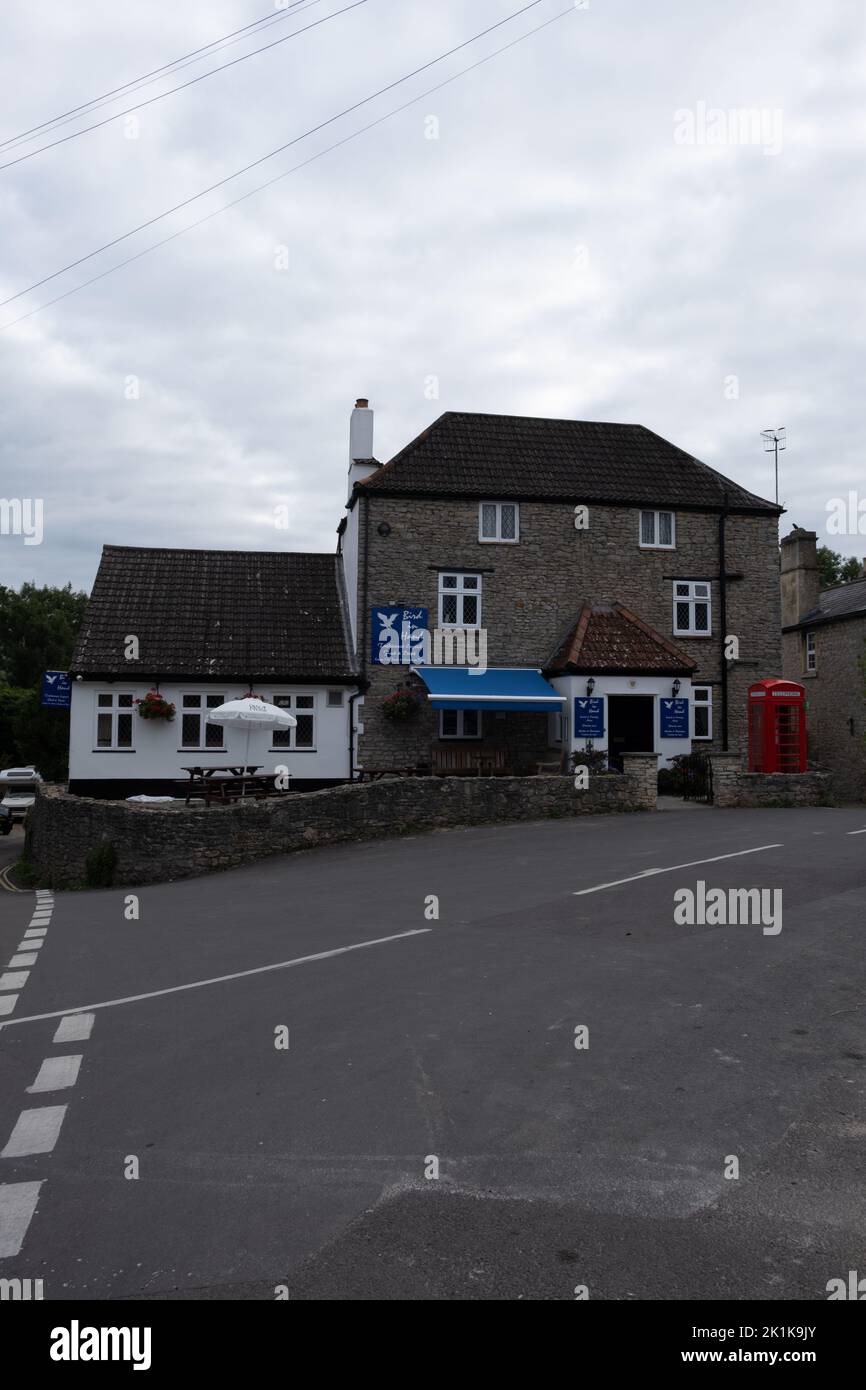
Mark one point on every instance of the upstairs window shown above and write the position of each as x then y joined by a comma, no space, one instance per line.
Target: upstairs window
113,720
195,732
657,531
692,613
499,521
811,651
459,600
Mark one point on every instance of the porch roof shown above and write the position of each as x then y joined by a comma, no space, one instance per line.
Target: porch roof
613,640
497,688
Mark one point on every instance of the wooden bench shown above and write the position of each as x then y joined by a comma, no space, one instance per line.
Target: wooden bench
460,761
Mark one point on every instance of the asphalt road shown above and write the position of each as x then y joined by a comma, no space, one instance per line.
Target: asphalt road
558,1167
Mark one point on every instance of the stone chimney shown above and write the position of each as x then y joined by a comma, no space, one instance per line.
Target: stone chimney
800,583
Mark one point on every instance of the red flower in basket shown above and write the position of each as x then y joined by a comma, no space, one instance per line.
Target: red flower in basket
155,706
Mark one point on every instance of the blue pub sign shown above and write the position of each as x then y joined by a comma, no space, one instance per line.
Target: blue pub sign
399,636
55,690
588,717
674,721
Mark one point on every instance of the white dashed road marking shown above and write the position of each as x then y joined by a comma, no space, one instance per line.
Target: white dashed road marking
35,931
671,868
75,1028
857,832
7,1004
17,1205
222,979
25,958
14,979
29,945
36,1132
56,1074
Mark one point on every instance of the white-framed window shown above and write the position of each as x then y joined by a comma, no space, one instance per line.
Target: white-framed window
302,738
811,651
335,699
692,609
459,723
702,704
499,521
658,531
195,732
114,711
459,599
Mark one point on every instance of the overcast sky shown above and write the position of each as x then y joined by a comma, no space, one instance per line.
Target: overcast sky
570,245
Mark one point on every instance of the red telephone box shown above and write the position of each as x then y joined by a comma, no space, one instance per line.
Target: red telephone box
777,726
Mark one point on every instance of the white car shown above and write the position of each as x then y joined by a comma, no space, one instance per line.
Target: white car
18,790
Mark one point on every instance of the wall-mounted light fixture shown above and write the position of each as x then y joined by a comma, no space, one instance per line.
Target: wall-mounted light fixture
675,688
590,685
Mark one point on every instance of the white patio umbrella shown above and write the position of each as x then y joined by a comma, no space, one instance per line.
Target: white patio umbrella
255,713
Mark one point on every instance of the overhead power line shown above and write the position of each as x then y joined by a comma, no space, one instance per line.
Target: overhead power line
138,106
354,135
272,17
220,183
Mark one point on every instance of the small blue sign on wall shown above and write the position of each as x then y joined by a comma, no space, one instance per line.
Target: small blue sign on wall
588,717
55,690
674,719
399,636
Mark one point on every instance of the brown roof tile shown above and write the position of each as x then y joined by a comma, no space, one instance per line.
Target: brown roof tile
615,639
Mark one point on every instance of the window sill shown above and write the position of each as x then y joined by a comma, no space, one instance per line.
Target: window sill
112,750
293,751
642,546
202,750
698,635
496,540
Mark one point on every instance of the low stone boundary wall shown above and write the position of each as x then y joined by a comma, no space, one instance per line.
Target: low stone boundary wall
734,787
158,842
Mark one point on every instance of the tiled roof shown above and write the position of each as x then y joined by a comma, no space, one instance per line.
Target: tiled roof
843,601
216,613
615,639
514,456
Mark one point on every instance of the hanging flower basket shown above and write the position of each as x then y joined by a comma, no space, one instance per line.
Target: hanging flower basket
400,706
155,706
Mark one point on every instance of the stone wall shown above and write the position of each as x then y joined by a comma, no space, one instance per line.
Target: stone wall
734,787
159,842
835,700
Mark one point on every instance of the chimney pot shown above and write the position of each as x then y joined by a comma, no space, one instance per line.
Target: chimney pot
362,403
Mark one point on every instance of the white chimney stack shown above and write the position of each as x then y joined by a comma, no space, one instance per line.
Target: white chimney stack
361,432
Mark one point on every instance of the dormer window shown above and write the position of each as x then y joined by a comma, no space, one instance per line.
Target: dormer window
499,521
657,531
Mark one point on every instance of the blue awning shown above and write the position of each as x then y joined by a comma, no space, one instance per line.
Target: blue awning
462,687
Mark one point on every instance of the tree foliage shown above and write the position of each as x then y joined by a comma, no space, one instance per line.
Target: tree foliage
38,628
834,568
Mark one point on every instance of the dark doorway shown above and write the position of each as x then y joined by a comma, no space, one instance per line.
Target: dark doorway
631,726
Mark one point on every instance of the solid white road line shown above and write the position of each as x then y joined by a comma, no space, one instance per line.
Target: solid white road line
25,958
671,868
17,1205
857,832
35,1132
56,1074
14,979
7,1004
75,1028
222,979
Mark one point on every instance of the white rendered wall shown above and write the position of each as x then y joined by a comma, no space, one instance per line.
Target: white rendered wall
657,686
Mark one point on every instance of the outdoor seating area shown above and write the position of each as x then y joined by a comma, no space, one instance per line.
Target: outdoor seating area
226,785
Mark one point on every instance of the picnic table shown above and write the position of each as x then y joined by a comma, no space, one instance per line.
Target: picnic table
227,784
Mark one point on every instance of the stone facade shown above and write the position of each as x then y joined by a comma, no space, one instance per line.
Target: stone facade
158,843
835,700
836,688
532,591
732,786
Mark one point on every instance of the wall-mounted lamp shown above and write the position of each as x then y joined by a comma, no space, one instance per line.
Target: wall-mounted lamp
675,688
590,685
